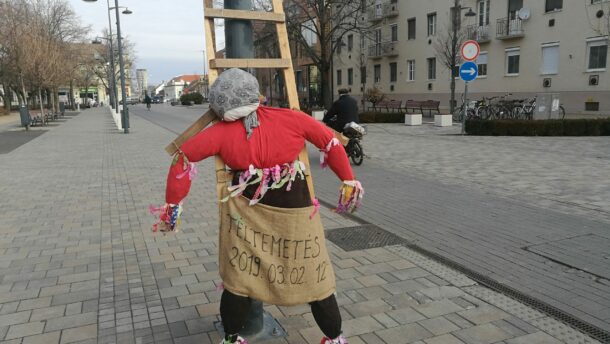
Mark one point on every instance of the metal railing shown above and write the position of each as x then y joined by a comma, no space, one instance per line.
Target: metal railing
478,33
375,50
387,10
507,28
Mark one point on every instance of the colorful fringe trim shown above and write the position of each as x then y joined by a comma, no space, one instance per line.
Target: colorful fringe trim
268,179
168,217
324,153
350,196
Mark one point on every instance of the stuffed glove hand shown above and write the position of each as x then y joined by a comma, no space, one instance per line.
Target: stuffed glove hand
350,196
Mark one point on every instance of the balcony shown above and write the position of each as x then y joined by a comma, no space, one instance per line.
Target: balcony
375,51
390,10
379,12
478,33
507,28
389,49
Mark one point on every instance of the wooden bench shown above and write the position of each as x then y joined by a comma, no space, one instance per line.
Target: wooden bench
430,105
36,118
394,105
379,105
413,105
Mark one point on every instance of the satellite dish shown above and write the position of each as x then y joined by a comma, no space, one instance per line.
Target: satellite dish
524,13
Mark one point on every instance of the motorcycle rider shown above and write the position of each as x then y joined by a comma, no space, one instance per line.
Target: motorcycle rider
344,110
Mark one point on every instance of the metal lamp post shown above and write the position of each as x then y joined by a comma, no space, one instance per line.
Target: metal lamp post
125,112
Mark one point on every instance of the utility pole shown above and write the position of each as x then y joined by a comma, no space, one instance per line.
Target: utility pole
457,11
125,113
113,94
239,44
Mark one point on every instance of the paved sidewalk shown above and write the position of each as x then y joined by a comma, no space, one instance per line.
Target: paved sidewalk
78,262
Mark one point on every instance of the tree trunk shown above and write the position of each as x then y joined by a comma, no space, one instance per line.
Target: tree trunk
71,96
53,100
25,94
6,97
325,85
41,106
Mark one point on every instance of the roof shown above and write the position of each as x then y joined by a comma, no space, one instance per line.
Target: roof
187,78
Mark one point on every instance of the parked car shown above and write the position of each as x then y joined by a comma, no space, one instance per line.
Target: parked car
156,100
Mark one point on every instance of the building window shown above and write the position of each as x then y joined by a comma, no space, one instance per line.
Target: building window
394,30
299,77
483,7
339,46
411,28
350,76
339,75
432,68
393,72
512,61
482,64
553,5
308,32
432,24
550,59
598,54
411,70
377,72
350,42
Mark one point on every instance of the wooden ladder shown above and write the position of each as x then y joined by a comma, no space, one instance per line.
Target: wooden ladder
284,62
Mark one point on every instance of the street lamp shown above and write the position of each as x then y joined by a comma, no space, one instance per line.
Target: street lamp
125,112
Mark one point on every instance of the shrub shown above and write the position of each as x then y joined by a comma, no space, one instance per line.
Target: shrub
194,97
552,127
374,95
381,117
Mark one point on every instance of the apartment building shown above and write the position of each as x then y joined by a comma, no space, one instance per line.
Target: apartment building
528,47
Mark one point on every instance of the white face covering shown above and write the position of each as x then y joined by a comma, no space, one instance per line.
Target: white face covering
247,112
240,112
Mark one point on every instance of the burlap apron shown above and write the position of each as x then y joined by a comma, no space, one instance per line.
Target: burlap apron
275,255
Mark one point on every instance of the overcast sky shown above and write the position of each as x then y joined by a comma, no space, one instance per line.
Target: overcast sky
168,34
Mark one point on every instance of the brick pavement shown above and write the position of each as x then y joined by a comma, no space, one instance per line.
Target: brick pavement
78,263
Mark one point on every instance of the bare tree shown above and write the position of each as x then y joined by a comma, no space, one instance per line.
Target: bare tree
319,27
447,45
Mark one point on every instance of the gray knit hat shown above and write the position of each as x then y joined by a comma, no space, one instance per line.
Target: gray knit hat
232,89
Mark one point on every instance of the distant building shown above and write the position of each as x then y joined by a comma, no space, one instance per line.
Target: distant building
142,80
527,48
175,87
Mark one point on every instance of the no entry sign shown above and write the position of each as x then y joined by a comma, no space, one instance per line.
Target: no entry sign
470,50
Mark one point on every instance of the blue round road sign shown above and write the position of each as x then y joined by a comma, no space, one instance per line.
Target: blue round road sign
469,71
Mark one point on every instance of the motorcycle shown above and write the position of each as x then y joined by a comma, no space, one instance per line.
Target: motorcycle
354,132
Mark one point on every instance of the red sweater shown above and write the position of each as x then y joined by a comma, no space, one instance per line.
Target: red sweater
278,139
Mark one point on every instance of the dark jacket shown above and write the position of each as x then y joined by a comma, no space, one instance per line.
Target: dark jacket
346,110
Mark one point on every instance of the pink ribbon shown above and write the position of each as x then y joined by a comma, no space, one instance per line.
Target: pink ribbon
316,207
191,170
324,153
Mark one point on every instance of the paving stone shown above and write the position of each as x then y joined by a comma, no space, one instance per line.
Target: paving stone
404,334
192,299
23,330
534,338
76,334
438,325
405,315
45,338
71,321
181,314
371,280
444,339
358,326
437,308
78,277
483,314
196,339
34,303
367,308
483,334
442,292
15,318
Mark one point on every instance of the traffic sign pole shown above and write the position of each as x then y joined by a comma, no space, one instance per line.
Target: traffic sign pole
465,110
